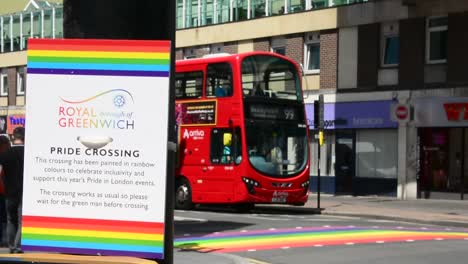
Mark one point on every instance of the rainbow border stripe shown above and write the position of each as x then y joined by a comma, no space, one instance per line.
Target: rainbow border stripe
93,236
99,57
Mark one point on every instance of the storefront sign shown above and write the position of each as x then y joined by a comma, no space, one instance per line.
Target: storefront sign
441,112
95,168
371,114
14,121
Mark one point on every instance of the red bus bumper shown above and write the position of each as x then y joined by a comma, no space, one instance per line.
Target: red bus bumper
265,196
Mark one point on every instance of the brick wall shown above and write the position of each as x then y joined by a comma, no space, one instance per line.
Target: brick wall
11,72
262,44
201,51
328,59
231,47
295,47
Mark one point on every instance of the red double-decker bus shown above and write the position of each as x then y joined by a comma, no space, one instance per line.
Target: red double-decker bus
243,137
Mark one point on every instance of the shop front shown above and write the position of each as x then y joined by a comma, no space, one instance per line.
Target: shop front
360,151
443,147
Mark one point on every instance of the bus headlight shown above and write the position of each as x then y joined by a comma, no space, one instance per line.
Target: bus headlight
251,184
305,184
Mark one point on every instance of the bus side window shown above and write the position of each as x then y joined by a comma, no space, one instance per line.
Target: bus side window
219,76
188,85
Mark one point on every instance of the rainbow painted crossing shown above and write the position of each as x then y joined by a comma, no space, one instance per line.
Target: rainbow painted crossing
310,237
92,236
99,57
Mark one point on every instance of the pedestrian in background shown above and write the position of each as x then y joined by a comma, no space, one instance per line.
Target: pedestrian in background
13,165
4,146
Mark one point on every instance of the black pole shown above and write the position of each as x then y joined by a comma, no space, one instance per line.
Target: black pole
318,170
133,20
462,174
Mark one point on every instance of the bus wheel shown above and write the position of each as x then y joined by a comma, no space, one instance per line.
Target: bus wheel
183,195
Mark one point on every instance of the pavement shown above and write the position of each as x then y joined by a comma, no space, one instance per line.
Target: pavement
452,213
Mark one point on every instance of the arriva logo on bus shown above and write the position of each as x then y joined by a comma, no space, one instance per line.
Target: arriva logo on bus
194,134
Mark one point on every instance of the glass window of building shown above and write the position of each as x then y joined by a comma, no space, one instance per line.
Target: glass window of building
20,81
191,13
390,43
180,7
278,45
258,8
2,35
58,23
207,12
189,54
216,48
16,33
222,11
3,83
296,6
37,25
436,40
377,153
317,4
6,32
26,32
48,23
240,10
312,53
276,7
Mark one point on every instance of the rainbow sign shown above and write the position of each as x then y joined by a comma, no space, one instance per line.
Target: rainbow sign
99,57
92,236
99,187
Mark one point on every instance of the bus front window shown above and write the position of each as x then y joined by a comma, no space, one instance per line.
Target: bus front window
276,150
270,76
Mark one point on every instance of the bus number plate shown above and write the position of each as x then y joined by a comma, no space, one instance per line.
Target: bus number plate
279,197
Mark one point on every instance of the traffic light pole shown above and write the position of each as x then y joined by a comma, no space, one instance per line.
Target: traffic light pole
318,125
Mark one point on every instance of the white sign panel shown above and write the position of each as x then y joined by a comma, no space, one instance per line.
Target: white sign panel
96,145
441,112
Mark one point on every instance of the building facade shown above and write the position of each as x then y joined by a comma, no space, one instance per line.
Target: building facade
365,56
20,20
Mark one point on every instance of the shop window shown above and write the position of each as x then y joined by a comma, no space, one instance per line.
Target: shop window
188,85
225,146
377,153
20,82
312,53
390,43
436,40
3,83
219,80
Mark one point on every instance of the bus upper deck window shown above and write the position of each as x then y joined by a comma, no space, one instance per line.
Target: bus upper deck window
219,76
